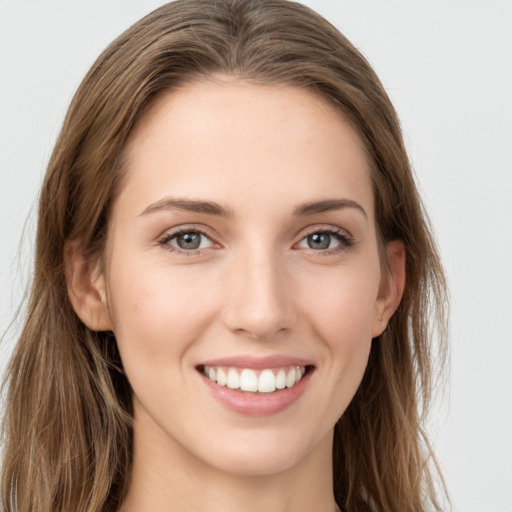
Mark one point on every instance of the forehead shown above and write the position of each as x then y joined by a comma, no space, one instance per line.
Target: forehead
234,139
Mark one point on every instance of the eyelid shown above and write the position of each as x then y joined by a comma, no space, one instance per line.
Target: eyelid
326,228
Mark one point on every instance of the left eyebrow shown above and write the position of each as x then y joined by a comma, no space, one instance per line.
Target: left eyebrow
327,205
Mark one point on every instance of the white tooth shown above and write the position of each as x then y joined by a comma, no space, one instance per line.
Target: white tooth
248,380
302,371
298,374
233,380
280,379
211,374
221,377
290,378
267,381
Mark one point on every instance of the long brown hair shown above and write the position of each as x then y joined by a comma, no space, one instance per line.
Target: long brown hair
68,417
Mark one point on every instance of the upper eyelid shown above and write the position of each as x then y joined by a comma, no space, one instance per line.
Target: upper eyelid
324,228
172,232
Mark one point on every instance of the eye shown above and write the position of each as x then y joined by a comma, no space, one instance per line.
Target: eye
320,241
326,240
186,241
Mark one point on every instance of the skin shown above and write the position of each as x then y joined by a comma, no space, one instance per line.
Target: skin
255,287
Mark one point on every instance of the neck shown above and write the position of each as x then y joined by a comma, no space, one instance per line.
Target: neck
166,477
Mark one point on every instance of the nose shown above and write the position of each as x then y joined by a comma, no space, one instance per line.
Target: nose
260,296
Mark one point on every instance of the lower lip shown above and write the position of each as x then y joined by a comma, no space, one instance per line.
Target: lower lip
257,404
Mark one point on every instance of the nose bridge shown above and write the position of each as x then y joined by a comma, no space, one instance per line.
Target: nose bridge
260,302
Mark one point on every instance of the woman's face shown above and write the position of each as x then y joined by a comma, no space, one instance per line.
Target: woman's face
242,253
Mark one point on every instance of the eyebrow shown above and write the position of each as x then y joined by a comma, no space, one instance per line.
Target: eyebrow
188,205
327,205
212,208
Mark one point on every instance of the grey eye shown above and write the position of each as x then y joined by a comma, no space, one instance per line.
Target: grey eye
188,241
319,241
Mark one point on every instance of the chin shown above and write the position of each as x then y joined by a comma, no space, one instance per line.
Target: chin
264,453
252,463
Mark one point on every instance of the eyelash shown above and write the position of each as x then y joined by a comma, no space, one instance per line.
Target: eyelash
346,241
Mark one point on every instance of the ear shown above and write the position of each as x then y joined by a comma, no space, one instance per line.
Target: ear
391,287
86,288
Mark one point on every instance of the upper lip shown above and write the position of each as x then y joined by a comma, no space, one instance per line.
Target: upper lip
258,363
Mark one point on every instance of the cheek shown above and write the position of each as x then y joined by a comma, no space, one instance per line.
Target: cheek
156,314
345,326
343,305
342,315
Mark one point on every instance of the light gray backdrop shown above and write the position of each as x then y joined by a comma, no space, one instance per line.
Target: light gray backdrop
447,65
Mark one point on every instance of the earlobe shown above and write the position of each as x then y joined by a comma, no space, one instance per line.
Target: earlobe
391,287
86,288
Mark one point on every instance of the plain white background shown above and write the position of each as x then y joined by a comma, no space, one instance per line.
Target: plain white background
447,65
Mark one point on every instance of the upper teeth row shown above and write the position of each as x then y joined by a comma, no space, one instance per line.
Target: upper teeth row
247,379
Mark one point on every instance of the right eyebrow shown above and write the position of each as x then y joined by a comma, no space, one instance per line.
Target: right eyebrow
189,205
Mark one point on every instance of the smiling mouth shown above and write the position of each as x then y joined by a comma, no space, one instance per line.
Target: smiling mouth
249,380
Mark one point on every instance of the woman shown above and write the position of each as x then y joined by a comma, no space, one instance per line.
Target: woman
233,282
